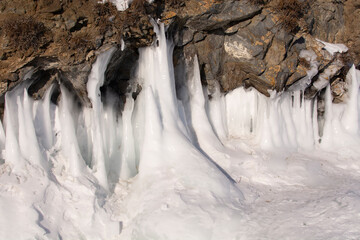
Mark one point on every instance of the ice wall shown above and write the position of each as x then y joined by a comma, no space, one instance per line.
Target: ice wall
285,121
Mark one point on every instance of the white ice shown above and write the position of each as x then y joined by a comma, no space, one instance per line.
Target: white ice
122,5
175,164
334,48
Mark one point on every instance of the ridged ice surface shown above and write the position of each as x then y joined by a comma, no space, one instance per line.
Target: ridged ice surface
176,165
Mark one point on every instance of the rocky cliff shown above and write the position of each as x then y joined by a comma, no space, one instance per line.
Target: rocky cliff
58,41
262,44
269,45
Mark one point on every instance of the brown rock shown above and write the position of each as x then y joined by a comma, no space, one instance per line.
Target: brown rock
46,6
68,53
339,90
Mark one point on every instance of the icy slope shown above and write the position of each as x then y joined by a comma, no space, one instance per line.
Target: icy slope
176,165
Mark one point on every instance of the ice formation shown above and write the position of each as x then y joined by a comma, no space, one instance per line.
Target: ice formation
334,48
178,165
122,5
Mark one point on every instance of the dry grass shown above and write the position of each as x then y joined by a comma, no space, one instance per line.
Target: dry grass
81,41
138,5
24,32
134,13
103,12
105,9
347,58
304,62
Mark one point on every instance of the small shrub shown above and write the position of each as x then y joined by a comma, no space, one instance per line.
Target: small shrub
290,13
24,32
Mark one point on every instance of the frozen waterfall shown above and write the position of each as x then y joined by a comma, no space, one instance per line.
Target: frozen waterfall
173,164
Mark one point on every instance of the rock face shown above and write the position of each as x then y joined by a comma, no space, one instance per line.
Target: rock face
75,30
327,16
73,33
337,22
269,45
239,43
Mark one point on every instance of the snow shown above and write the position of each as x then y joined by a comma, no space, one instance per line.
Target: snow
122,5
178,165
334,48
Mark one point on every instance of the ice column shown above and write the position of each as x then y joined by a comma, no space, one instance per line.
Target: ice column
95,81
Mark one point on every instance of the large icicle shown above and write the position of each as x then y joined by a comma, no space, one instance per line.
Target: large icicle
43,120
73,161
350,118
206,137
128,167
341,127
95,81
27,137
12,148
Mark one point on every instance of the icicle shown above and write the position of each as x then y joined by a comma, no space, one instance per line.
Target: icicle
128,158
84,133
218,115
113,133
96,80
149,159
162,78
27,136
327,138
206,137
289,120
43,125
2,140
315,123
265,138
70,147
279,121
350,119
12,148
241,113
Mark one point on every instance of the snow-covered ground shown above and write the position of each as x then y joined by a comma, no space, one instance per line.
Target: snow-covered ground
176,165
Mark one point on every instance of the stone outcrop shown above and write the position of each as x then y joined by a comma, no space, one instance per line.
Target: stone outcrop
239,43
337,22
